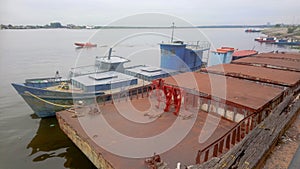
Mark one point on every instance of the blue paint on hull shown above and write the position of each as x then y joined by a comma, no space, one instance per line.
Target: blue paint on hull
287,43
44,109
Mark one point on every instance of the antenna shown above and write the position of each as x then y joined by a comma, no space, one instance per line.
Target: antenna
172,32
109,53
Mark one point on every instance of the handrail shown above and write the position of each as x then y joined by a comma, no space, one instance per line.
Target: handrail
131,92
228,133
198,44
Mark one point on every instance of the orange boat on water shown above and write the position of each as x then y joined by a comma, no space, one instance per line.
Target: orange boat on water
88,44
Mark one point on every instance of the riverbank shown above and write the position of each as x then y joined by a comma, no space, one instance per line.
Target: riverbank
283,32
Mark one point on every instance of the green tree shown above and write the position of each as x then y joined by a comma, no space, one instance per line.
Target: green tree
291,29
55,25
277,25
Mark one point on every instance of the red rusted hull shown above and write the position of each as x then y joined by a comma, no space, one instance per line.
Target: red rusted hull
267,41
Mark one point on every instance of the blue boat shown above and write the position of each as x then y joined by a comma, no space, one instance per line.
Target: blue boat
88,84
46,96
45,102
286,42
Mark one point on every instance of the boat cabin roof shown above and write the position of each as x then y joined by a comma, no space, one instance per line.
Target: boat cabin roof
103,78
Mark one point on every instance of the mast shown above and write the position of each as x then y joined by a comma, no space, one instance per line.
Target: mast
109,53
172,32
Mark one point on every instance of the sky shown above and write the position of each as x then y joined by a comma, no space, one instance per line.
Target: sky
115,12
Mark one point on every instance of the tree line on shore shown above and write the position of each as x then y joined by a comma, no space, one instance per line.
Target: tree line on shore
72,26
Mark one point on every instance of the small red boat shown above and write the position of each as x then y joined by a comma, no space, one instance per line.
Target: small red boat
88,44
252,30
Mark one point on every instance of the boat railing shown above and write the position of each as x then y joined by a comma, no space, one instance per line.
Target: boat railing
49,79
126,95
82,67
230,138
198,45
195,45
83,70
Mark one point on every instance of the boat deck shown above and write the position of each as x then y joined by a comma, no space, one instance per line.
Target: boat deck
121,126
74,89
284,56
91,128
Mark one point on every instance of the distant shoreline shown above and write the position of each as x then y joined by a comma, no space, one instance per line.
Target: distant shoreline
283,32
128,27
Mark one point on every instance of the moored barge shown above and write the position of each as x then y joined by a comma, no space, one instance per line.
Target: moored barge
239,96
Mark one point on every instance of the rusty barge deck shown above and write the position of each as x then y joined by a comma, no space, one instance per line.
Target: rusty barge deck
221,106
275,62
259,74
87,131
284,56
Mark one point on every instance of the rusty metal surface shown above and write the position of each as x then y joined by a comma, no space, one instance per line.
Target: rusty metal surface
243,53
270,63
284,56
261,74
184,152
237,91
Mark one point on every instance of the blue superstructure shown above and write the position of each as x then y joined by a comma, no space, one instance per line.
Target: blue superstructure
181,56
220,56
230,51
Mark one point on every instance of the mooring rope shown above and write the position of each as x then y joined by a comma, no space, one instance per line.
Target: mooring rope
54,104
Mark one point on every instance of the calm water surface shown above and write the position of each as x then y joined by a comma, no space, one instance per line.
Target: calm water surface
29,142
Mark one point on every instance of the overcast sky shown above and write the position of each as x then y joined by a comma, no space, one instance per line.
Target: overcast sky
105,12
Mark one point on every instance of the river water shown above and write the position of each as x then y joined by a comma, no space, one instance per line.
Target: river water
29,142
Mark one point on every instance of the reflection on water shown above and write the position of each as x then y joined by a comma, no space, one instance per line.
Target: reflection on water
50,142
